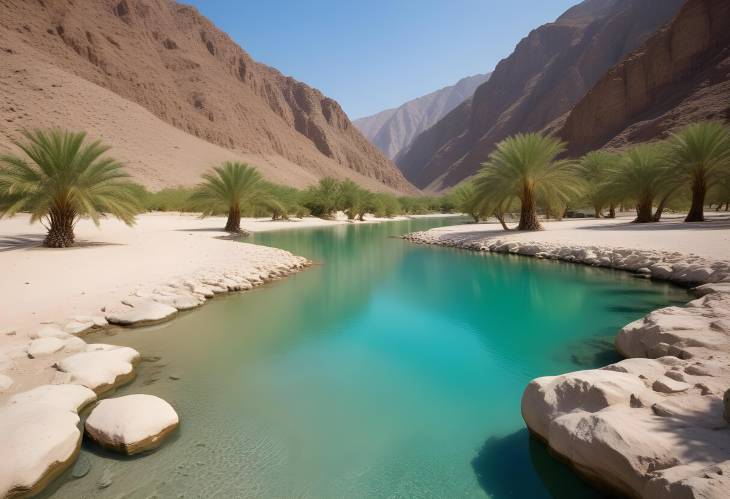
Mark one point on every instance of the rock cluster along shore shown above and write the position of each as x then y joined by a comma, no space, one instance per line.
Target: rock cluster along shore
656,424
40,436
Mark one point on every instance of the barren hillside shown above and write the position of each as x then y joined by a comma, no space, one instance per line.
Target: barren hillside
172,94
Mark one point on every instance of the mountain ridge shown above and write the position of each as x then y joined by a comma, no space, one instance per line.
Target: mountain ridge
173,62
546,74
680,75
393,130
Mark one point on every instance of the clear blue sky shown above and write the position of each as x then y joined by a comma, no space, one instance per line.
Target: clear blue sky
376,54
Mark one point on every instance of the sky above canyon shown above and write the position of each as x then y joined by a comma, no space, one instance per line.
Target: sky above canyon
375,55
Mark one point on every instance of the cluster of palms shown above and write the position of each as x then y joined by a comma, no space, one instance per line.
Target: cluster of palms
63,178
525,173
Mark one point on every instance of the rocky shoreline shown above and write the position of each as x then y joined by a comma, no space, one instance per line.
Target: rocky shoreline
39,423
653,425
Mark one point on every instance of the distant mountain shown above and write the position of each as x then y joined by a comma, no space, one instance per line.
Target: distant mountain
550,70
172,94
679,76
393,130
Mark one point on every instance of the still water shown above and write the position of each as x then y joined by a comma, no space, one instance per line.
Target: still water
386,370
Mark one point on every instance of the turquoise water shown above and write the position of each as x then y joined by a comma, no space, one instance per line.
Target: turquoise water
387,370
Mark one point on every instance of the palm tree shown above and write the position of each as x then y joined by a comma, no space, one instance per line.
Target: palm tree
700,157
525,167
595,166
642,177
62,180
232,187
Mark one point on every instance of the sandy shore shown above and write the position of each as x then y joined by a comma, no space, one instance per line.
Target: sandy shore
709,239
656,424
41,285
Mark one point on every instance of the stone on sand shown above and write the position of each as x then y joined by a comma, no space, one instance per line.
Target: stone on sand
44,346
101,367
136,311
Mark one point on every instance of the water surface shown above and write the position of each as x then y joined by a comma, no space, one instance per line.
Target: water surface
389,369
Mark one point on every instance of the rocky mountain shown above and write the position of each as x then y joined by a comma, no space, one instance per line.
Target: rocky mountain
550,70
172,94
393,130
679,76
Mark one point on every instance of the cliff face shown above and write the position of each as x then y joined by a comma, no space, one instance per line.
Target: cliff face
680,75
177,65
549,71
393,130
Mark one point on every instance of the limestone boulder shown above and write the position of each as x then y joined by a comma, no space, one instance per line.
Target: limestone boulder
101,367
39,436
131,424
718,287
136,311
590,391
43,347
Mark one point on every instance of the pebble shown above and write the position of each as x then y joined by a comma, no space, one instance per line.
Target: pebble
82,467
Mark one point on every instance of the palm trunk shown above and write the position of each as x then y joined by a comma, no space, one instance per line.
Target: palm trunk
61,231
611,211
643,211
660,209
598,211
233,224
528,212
696,211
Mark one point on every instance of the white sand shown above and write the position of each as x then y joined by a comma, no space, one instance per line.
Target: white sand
709,239
40,284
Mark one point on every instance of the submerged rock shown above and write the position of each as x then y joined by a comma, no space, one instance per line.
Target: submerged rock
131,424
81,467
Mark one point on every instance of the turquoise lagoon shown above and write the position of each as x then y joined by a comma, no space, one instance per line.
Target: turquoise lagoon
388,369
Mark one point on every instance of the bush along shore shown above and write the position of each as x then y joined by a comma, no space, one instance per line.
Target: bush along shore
39,428
656,424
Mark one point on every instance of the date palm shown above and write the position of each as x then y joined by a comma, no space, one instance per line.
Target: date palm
232,187
60,179
525,166
700,157
642,176
595,167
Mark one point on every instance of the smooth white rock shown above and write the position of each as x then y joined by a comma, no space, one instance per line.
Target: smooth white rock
139,311
132,423
39,436
101,367
44,346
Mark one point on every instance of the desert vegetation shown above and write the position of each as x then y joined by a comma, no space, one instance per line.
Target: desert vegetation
526,175
60,178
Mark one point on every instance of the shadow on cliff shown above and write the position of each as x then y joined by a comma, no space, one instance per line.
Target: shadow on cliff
519,466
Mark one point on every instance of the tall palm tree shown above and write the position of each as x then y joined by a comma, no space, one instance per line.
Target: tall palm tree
700,156
232,187
525,167
595,166
642,177
62,179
